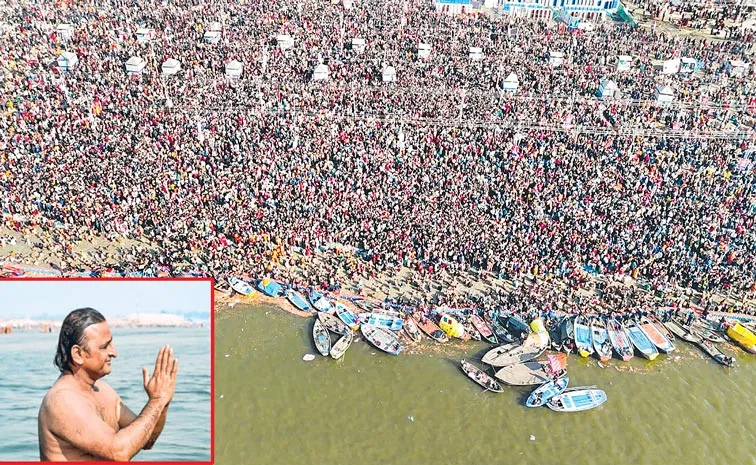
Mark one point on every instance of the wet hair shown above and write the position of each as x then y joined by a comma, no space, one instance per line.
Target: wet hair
72,333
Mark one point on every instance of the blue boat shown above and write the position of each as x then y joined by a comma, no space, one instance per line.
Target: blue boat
577,400
393,323
269,287
319,301
641,342
298,300
346,315
583,336
546,391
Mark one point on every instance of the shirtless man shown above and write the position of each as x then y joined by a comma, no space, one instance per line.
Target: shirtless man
84,419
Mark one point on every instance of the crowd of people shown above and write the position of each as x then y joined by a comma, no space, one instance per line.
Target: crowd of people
439,170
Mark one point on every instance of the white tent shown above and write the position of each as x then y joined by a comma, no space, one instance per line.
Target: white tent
511,83
171,67
624,62
664,94
67,61
234,69
556,58
285,41
476,53
64,31
358,44
215,26
212,37
143,35
687,65
670,66
389,74
320,73
606,89
423,50
135,65
738,68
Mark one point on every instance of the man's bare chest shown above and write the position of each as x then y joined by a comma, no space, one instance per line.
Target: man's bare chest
106,408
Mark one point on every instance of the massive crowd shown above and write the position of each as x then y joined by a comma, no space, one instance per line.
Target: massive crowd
438,170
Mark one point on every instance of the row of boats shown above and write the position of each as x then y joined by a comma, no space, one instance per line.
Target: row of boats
518,343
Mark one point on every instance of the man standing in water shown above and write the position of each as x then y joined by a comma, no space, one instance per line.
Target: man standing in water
84,419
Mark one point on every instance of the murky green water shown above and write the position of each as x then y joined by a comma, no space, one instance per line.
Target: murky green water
277,409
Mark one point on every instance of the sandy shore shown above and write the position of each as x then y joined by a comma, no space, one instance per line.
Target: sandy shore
35,248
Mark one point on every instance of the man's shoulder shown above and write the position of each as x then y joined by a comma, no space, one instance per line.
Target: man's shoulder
61,395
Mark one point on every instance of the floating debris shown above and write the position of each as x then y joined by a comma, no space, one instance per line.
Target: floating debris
221,396
411,418
532,437
228,355
308,358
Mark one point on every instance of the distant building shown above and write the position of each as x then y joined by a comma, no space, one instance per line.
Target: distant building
454,7
581,9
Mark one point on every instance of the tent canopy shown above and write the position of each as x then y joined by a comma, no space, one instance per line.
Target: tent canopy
212,37
511,83
67,60
358,44
215,26
389,74
476,53
135,65
143,34
423,50
234,68
664,94
320,73
171,66
285,41
607,88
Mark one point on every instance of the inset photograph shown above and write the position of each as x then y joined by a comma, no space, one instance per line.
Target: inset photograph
106,370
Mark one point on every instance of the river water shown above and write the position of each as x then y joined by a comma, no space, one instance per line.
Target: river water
27,372
419,408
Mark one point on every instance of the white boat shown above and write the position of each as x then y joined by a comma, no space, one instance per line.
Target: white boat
341,346
577,400
510,354
381,338
242,287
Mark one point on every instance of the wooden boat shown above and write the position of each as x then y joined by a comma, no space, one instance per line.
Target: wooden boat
641,341
713,351
583,336
453,328
681,332
621,343
297,300
664,330
656,336
518,327
501,332
341,346
524,374
577,400
486,332
510,354
743,336
379,320
546,391
705,332
242,287
471,332
480,377
381,338
347,316
269,287
333,323
319,302
322,338
430,328
410,328
567,328
600,340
